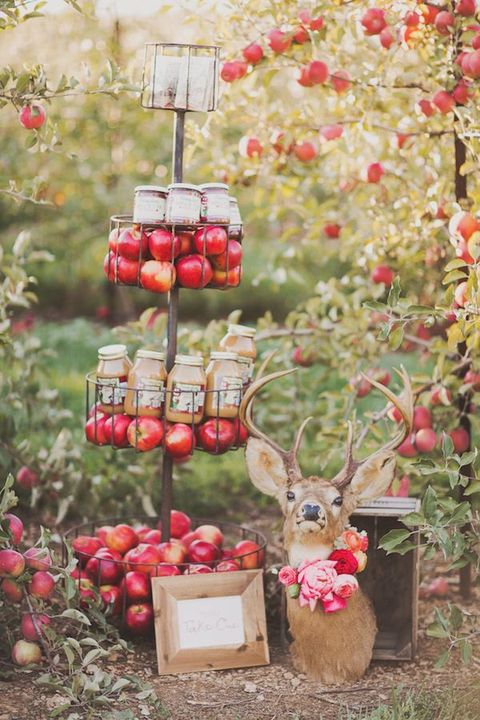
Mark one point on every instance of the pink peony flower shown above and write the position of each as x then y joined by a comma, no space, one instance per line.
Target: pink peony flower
287,575
316,580
345,585
337,603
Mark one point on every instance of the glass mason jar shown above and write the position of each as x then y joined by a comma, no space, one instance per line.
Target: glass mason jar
224,385
215,203
245,365
146,384
235,228
149,204
111,382
183,204
240,340
186,390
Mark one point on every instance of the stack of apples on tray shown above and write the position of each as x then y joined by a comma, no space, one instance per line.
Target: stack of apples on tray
156,260
118,562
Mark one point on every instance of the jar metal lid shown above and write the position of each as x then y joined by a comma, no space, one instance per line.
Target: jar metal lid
213,186
233,201
183,186
111,352
150,354
223,355
152,188
242,330
189,360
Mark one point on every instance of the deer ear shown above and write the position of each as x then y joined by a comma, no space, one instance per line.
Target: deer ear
265,467
374,476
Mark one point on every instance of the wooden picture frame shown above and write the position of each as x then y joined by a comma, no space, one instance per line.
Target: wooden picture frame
210,621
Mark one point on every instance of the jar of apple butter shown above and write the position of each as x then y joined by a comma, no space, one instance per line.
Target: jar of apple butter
245,366
240,339
186,385
146,384
224,385
111,381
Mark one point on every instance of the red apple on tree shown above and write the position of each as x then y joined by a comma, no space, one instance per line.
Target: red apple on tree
32,116
11,590
250,147
12,563
383,274
301,358
305,151
466,8
443,101
407,448
444,23
425,440
422,418
375,171
386,38
253,53
27,478
331,132
460,439
157,276
441,396
15,526
42,585
38,558
278,41
332,230
317,72
145,433
341,81
29,631
426,107
373,21
26,653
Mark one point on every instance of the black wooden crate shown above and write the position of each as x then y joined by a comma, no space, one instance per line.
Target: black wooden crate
390,582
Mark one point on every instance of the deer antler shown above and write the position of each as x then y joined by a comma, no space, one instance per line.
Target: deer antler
404,404
289,457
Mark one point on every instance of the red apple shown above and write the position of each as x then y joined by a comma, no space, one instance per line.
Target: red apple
461,93
460,439
102,531
27,478
128,271
302,359
186,242
110,267
121,538
316,23
231,258
331,132
85,547
241,432
250,147
87,592
425,440
443,101
222,279
249,554
210,533
172,552
429,13
113,240
12,563
188,538
441,396
403,488
340,80
32,116
158,276
444,23
152,537
180,524
230,71
373,21
227,566
166,570
194,271
422,418
179,440
301,36
386,38
362,385
201,551
317,72
116,428
95,429
253,53
472,378
106,568
139,619
163,245
407,448
216,435
42,585
466,7
143,558
15,526
136,585
38,558
383,274
145,433
141,531
426,108
197,570
11,590
374,172
133,243
278,41
29,631
112,598
461,294
305,151
26,653
210,240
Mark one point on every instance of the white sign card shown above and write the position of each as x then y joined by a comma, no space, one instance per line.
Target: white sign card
210,622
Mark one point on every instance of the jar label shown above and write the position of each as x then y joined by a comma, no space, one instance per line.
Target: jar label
215,207
187,398
230,392
149,207
183,206
111,390
150,393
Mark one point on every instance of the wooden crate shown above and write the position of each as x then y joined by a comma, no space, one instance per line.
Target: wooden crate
390,582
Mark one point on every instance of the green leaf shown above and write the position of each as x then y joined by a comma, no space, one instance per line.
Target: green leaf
435,630
429,502
396,338
413,519
394,293
75,614
466,650
453,276
442,659
393,539
455,264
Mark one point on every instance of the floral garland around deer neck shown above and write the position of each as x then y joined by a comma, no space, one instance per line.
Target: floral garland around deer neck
331,581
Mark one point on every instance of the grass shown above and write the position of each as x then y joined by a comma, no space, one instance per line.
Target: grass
445,704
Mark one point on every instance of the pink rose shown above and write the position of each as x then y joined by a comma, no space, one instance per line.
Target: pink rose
345,585
352,539
287,575
316,580
337,603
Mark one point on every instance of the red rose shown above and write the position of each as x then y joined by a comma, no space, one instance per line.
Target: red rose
347,563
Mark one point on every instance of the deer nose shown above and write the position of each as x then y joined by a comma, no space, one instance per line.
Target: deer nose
311,511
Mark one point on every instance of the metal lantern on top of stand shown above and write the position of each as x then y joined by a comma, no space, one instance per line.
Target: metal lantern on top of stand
182,78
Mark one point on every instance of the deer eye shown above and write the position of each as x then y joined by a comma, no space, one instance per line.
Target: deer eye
290,496
338,501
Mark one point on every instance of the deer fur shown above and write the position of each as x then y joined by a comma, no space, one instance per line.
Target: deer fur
329,647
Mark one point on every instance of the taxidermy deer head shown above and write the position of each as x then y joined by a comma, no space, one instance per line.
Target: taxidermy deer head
338,646
316,509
